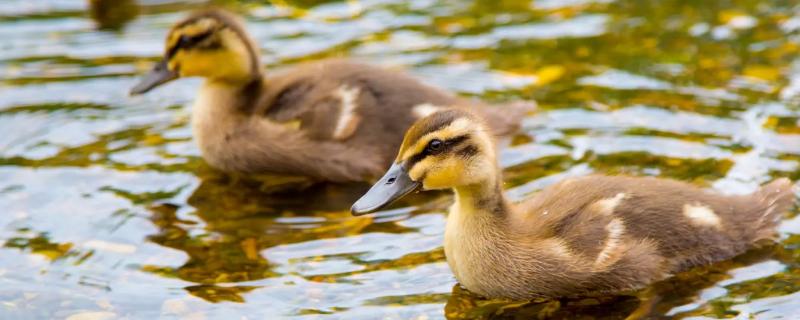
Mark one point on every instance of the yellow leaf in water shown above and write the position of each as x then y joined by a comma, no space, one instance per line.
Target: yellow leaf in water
51,254
583,52
762,72
707,63
250,249
771,123
674,162
153,140
650,43
726,16
549,74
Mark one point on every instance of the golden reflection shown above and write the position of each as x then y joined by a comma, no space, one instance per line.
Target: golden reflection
40,243
240,218
214,293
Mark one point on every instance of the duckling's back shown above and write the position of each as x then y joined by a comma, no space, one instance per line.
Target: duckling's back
365,105
631,231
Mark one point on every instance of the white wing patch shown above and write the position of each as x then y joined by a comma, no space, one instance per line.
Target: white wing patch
348,118
613,247
701,215
423,110
607,206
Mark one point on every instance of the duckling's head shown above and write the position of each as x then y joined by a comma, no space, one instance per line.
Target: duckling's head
448,149
211,44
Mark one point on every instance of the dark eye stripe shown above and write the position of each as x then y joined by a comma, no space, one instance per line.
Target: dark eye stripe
185,42
195,39
452,142
448,145
467,151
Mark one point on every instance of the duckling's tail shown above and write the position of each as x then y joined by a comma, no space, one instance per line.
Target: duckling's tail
774,199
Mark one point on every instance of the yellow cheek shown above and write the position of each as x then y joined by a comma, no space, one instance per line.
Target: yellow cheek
445,175
210,64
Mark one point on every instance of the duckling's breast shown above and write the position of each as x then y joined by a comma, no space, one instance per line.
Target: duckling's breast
475,252
214,121
461,251
490,259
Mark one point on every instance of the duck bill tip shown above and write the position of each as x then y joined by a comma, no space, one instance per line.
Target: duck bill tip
360,211
160,74
395,184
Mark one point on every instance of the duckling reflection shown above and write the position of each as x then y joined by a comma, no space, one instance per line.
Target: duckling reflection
269,195
232,221
113,14
463,304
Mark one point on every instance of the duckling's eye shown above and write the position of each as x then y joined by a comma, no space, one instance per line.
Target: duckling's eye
434,146
183,42
189,41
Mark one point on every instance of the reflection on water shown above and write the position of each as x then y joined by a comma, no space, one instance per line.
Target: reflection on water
109,212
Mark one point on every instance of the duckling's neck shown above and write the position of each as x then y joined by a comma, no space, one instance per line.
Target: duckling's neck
221,108
479,213
217,103
221,100
476,229
482,199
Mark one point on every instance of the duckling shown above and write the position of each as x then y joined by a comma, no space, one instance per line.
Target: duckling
584,235
113,14
332,120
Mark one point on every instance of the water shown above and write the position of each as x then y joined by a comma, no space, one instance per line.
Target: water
108,211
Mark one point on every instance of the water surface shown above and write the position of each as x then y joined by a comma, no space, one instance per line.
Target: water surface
108,211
